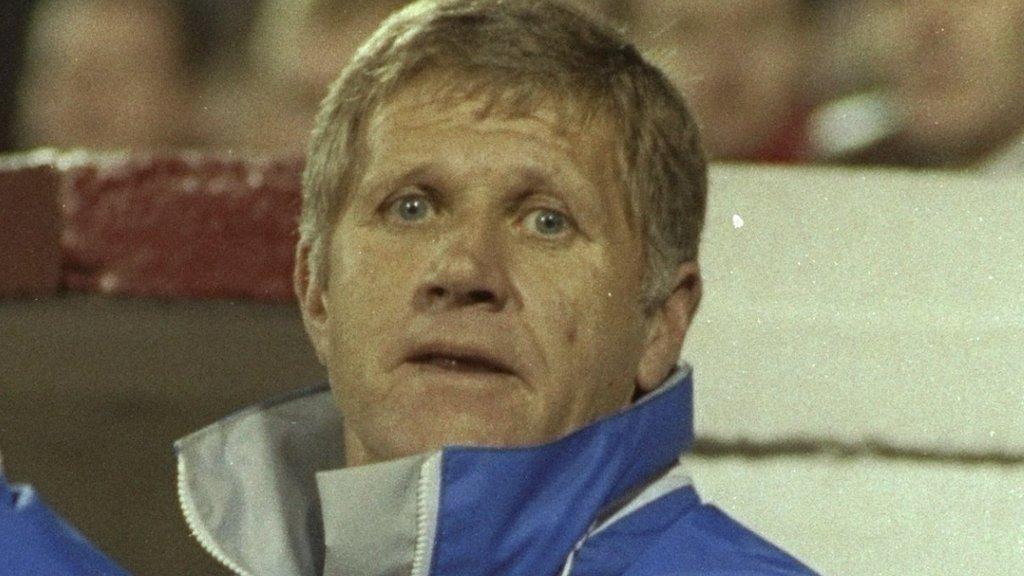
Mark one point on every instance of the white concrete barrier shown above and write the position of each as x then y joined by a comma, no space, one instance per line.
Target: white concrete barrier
856,305
876,516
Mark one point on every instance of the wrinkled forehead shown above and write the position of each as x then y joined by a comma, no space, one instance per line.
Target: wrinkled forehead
492,95
581,127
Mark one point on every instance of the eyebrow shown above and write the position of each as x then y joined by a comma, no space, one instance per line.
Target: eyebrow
580,194
373,182
537,178
528,177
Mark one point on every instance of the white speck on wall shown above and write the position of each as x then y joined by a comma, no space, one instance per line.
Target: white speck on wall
109,282
737,221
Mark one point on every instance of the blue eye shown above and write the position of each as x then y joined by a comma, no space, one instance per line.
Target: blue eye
549,222
411,208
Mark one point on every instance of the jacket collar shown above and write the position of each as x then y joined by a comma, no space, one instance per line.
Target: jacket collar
251,488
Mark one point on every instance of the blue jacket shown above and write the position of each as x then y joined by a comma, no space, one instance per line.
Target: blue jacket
266,492
35,541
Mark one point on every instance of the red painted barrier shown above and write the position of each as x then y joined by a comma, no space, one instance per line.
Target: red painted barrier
30,226
183,226
186,226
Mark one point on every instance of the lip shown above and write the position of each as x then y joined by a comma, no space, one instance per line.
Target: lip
463,359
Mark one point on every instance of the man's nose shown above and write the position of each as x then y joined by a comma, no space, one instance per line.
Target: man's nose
468,269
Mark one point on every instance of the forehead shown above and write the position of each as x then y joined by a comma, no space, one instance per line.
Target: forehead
581,136
485,98
544,138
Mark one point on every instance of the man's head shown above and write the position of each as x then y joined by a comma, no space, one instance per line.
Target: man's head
502,208
739,60
957,71
104,74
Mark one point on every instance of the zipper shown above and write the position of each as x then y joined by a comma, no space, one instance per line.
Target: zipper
191,518
428,496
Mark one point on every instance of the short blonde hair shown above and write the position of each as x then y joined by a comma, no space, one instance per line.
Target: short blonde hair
524,53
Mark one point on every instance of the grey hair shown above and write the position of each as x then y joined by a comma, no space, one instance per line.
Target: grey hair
523,53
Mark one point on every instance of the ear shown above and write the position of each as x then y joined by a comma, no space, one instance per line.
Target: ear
668,327
312,300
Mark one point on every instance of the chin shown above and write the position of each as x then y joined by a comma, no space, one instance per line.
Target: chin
428,412
510,428
417,433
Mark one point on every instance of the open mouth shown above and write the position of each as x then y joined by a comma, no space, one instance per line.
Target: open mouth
460,363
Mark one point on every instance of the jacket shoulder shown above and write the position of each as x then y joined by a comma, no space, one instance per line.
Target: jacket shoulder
704,540
678,535
34,540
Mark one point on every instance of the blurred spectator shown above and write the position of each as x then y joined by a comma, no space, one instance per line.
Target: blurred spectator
106,74
298,48
952,87
740,63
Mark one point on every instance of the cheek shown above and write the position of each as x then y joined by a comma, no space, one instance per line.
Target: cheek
364,265
577,305
552,305
367,279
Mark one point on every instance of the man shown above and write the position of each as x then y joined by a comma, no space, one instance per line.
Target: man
741,62
955,78
497,265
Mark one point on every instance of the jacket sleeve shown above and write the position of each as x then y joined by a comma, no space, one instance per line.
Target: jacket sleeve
34,540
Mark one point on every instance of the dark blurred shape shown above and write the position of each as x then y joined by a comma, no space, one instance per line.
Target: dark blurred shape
740,64
949,90
107,74
30,225
13,20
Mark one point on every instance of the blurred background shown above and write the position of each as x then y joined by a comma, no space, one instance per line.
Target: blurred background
919,83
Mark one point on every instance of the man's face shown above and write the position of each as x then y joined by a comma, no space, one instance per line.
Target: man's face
958,71
484,281
737,60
